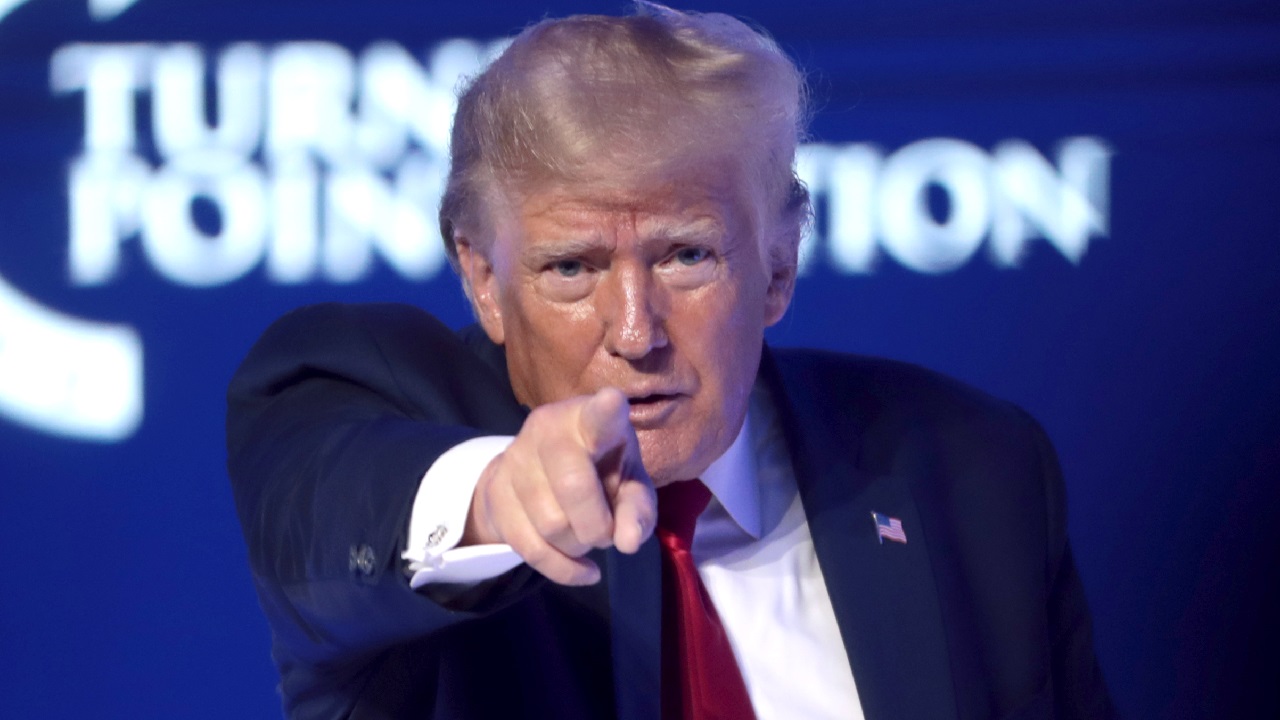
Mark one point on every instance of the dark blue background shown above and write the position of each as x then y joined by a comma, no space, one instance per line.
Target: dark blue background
1152,363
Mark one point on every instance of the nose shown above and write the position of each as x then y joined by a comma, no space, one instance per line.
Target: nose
635,312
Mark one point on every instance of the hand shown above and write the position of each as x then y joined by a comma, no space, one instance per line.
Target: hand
572,480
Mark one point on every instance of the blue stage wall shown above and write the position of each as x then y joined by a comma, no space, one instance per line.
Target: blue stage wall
1071,205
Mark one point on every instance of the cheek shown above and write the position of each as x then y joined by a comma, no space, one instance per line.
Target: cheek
736,327
735,352
728,341
549,347
737,359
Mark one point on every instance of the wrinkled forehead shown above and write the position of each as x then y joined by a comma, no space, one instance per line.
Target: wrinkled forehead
705,201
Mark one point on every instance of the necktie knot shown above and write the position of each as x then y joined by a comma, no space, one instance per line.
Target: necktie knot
679,505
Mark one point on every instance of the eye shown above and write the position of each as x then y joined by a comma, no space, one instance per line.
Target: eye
691,255
567,268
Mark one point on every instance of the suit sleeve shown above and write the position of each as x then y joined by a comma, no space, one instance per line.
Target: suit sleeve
1079,690
332,420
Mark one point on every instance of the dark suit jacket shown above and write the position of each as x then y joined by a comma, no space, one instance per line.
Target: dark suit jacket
339,410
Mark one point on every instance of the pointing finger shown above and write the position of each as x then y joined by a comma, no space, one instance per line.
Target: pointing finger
603,422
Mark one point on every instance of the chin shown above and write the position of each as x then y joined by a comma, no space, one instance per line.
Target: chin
665,459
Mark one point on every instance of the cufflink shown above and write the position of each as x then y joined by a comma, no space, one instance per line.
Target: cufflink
437,536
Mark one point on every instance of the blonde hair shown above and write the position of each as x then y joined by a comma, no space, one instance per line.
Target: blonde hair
629,100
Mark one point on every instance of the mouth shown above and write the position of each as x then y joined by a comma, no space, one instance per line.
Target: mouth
649,399
650,411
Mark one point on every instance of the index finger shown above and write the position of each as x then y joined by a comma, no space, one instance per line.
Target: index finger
604,422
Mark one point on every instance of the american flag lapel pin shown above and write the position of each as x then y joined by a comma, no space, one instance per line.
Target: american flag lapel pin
888,527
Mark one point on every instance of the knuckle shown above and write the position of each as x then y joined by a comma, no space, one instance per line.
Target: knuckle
551,523
537,555
507,470
575,485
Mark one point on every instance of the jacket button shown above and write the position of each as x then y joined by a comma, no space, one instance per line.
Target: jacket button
362,559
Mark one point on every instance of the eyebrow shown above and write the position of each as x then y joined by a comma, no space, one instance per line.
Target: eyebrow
551,251
661,230
700,229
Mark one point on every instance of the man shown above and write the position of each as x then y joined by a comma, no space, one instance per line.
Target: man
882,543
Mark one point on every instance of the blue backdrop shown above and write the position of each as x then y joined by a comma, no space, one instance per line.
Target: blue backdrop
1071,205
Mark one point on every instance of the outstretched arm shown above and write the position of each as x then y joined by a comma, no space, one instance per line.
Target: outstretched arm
332,421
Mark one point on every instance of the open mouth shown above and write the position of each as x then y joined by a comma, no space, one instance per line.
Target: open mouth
652,411
648,399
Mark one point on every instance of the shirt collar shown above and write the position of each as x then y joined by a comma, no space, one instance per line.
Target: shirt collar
732,479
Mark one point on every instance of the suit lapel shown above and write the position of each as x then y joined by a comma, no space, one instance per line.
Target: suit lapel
884,595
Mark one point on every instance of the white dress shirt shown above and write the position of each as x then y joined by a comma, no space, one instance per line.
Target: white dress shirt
752,548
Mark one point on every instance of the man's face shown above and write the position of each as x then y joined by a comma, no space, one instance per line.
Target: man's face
663,295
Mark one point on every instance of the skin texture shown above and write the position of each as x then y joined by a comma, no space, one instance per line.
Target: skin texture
632,323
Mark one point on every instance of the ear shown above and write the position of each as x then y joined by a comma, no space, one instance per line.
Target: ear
777,297
783,258
481,285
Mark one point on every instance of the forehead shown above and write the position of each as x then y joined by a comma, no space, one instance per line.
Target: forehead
702,205
643,217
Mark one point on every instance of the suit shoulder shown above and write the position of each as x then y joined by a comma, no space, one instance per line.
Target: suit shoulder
331,318
314,336
893,387
894,415
399,354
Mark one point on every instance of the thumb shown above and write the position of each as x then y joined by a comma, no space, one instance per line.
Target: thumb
603,422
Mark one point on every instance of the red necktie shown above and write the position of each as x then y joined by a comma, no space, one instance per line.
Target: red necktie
700,677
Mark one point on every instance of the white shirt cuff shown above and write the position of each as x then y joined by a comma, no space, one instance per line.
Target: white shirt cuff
440,515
